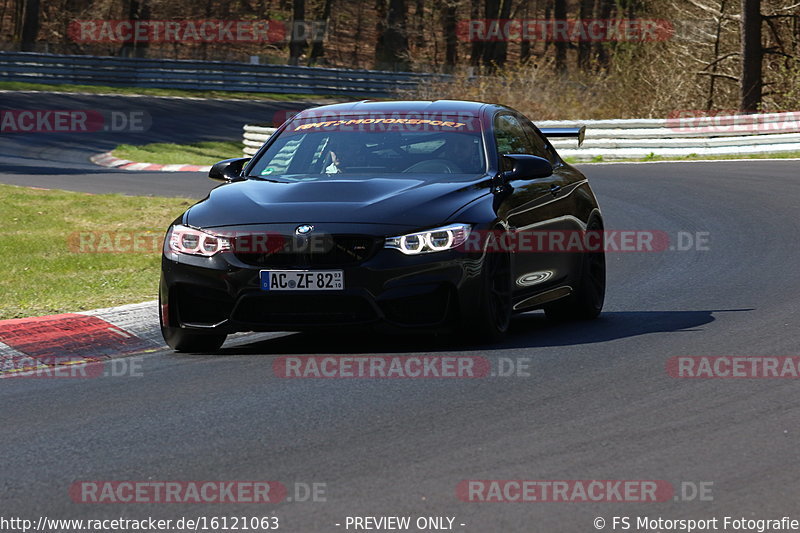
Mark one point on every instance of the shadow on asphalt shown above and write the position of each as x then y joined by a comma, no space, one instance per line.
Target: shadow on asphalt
530,330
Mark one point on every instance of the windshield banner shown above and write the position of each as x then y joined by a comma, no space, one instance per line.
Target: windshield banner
380,122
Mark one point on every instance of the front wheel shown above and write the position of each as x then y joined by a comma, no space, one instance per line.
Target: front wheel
586,302
182,340
492,318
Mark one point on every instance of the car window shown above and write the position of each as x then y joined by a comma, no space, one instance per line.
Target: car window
320,151
282,156
542,146
511,138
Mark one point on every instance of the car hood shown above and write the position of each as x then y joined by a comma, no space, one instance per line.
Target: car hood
409,201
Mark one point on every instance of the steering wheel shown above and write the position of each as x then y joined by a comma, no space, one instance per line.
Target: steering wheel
434,165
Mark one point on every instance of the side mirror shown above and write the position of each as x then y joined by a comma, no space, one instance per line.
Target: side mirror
527,167
228,170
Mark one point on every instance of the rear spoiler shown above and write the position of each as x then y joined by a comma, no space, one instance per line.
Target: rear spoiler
579,133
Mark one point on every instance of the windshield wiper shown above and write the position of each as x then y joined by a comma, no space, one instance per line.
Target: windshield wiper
262,178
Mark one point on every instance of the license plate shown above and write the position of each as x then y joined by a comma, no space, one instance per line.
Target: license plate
302,280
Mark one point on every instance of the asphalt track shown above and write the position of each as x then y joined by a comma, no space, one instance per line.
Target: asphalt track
61,160
598,404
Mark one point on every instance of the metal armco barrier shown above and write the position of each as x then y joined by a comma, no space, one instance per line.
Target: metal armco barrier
254,137
682,136
639,138
202,75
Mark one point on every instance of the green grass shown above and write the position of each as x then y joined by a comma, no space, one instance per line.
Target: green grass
202,153
102,89
208,153
44,231
690,157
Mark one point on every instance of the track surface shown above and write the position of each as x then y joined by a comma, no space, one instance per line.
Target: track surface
598,405
61,160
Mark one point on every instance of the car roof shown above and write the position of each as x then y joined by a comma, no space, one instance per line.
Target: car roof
398,106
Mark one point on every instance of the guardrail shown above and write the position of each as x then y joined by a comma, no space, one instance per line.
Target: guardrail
641,138
682,136
202,75
254,137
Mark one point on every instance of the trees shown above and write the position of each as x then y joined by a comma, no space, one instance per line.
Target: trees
725,54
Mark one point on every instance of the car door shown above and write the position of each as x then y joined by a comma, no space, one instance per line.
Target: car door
533,210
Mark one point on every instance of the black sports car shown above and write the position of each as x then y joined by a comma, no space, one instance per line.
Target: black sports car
403,215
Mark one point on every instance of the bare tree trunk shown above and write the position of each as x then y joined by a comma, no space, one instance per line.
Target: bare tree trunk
208,15
548,14
297,42
495,52
712,83
449,16
3,17
360,30
560,14
391,50
604,11
318,48
30,25
501,50
19,15
752,54
525,45
476,51
585,46
137,10
491,10
419,30
796,34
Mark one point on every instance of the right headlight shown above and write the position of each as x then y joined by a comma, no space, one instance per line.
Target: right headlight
192,241
433,240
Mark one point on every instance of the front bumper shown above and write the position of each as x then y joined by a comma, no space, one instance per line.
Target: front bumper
222,294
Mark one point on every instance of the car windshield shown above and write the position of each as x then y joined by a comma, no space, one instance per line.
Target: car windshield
317,149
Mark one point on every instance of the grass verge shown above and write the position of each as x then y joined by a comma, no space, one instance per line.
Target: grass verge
59,249
151,91
208,153
202,153
690,157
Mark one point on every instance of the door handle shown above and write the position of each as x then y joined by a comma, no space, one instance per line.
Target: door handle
555,189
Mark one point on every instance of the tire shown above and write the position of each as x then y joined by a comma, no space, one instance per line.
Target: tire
491,320
182,340
586,302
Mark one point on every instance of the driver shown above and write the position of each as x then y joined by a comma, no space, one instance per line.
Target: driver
462,150
341,155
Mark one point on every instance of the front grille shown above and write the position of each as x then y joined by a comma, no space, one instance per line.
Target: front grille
311,251
303,309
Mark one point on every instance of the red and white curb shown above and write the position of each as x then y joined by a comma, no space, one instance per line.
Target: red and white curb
109,161
32,344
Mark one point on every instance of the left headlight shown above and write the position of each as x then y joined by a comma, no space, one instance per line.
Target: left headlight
433,240
185,240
